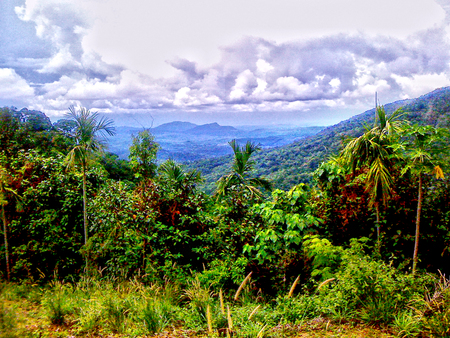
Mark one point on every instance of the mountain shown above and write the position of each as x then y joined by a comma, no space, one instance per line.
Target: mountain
34,118
173,127
187,142
192,128
294,163
212,129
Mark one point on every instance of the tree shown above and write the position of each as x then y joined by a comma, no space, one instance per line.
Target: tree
174,175
375,152
239,182
143,154
424,151
9,126
90,133
178,194
6,195
67,127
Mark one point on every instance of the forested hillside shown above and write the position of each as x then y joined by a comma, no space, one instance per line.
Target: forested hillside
294,163
98,246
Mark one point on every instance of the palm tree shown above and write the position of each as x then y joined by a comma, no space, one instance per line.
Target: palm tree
239,181
6,195
90,133
375,151
424,156
177,178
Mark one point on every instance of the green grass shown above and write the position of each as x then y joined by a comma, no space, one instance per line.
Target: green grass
94,308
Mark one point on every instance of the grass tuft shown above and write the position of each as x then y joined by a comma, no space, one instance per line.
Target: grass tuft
246,279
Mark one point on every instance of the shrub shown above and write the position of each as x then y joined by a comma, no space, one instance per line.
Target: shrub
57,302
434,310
361,287
157,315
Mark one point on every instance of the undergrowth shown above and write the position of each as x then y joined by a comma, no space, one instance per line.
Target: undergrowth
347,289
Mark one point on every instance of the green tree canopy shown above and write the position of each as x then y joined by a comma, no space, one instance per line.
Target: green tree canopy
239,182
424,147
374,152
90,134
143,154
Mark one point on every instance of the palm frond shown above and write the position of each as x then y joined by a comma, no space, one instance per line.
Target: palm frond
90,133
376,150
379,182
239,179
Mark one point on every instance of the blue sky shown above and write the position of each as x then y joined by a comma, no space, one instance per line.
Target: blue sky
234,62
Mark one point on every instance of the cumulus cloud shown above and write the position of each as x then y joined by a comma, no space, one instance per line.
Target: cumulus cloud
12,86
420,83
252,74
63,26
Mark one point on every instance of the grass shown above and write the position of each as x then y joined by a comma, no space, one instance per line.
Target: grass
92,308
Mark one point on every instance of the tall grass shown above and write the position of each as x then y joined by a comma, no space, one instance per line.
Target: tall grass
130,308
8,324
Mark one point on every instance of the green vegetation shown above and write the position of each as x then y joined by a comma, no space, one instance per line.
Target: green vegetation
293,164
337,256
143,154
238,183
374,151
87,143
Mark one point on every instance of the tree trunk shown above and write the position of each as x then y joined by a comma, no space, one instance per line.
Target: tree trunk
85,222
377,210
419,211
5,235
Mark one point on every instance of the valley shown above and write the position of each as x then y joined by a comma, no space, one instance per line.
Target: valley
187,142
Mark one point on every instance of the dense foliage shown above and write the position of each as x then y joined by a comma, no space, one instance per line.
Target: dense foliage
339,246
293,164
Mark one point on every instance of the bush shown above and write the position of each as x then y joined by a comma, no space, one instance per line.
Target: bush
157,315
434,310
361,287
58,302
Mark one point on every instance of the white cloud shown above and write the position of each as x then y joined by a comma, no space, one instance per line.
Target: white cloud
60,61
186,97
263,66
419,84
289,85
152,32
245,83
12,86
335,83
230,56
260,88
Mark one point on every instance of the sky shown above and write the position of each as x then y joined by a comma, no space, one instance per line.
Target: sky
235,62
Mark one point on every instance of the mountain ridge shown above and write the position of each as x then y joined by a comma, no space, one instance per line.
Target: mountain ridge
174,126
294,163
212,128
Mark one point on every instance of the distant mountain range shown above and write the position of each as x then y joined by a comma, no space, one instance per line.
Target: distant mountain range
174,127
289,155
212,129
186,142
291,164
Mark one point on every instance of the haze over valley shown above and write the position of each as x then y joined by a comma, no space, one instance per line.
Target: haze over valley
184,141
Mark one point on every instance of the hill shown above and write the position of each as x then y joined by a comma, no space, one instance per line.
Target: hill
294,163
212,129
173,127
186,142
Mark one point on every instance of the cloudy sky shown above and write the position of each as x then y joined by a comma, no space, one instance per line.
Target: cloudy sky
234,62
